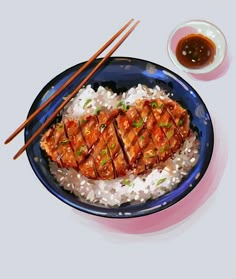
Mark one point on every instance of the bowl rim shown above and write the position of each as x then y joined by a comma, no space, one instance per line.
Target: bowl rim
203,70
104,211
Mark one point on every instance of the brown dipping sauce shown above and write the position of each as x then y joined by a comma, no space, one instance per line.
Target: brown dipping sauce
195,51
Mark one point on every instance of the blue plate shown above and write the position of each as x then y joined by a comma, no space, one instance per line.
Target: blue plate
120,74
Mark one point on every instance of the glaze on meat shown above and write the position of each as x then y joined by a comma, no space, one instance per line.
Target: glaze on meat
114,143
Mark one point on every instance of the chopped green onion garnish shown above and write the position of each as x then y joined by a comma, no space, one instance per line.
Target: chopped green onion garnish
65,141
97,110
83,121
103,162
104,152
81,150
119,104
86,103
141,137
169,134
138,124
150,156
154,104
181,122
126,182
113,145
165,125
125,107
166,147
160,181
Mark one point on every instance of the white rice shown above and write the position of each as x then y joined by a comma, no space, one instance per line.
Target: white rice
134,189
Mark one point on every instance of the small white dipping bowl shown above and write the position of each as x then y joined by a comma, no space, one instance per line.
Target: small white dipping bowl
206,29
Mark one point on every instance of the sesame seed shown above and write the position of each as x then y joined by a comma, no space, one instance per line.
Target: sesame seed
36,159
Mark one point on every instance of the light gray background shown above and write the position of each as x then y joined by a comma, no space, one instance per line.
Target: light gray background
40,237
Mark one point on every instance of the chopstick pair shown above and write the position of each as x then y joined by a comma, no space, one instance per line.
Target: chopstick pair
75,91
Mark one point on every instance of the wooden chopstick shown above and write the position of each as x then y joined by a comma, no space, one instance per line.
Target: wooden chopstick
75,91
80,70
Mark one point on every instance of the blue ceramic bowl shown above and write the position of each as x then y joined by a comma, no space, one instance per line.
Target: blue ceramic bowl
120,74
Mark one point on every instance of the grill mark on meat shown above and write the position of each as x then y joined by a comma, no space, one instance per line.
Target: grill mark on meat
103,128
102,161
63,147
76,139
149,156
150,150
167,124
147,134
166,149
90,130
158,136
180,117
128,137
133,119
126,158
110,137
89,164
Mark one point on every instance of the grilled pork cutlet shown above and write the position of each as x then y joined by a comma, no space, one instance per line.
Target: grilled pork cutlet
114,143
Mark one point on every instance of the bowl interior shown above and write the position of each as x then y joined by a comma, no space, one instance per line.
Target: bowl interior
120,74
198,27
